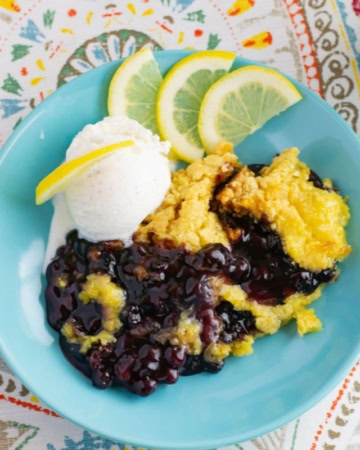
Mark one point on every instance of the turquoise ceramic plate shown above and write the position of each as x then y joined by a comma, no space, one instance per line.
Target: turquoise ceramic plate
252,395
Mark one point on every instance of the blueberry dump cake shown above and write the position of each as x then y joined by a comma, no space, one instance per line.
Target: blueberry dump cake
232,253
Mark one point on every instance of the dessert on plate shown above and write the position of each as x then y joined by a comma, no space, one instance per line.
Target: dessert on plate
153,273
230,253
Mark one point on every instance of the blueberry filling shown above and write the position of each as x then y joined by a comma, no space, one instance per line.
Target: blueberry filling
262,268
236,324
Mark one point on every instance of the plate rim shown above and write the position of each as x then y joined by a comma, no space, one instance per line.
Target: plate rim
236,437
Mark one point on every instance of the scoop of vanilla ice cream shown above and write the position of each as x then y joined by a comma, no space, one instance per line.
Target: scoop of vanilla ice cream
111,198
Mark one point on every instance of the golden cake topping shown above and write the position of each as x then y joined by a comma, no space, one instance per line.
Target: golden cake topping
309,220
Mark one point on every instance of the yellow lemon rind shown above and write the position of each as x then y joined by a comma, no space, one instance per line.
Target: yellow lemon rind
59,178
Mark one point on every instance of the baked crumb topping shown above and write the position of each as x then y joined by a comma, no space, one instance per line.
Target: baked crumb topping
184,216
309,220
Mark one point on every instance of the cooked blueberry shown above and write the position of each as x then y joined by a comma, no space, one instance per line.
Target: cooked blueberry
60,304
175,356
316,180
100,359
236,324
88,318
142,365
131,316
197,364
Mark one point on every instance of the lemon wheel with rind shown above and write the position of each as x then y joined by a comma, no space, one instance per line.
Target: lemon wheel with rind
180,96
241,102
134,87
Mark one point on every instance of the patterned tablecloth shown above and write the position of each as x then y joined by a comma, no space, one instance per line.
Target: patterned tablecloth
45,44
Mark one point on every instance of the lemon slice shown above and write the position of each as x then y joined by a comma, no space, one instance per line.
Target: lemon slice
180,97
58,180
134,87
242,102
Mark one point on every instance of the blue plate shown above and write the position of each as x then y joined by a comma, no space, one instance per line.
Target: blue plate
284,377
